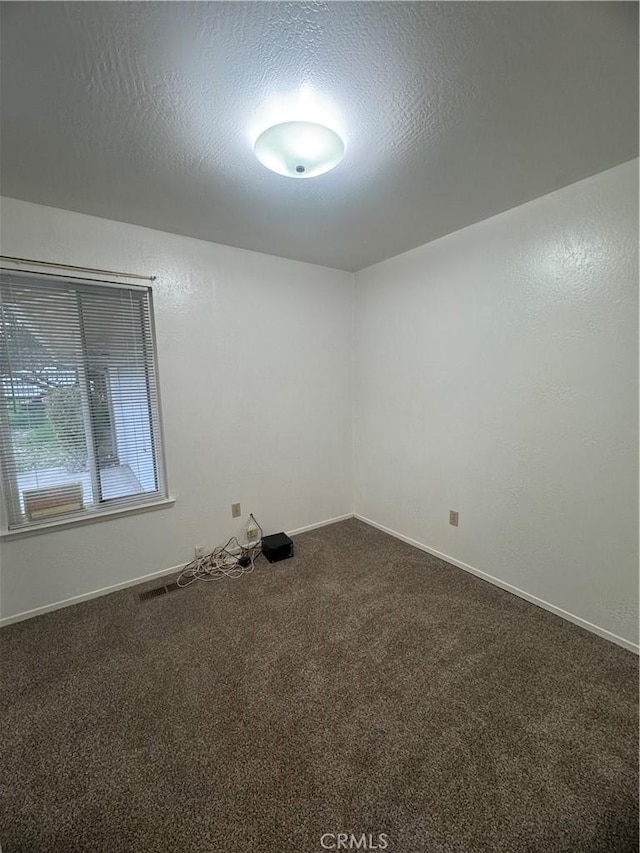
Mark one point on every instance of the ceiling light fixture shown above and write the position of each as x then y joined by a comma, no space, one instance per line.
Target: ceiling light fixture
299,149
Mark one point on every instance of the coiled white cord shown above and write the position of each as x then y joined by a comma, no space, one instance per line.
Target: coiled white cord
222,562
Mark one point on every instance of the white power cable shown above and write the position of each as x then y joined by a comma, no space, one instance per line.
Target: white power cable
222,562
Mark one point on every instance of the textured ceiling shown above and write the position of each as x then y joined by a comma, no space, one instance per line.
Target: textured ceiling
452,112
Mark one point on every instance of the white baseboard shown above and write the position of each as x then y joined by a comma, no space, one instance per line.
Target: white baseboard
533,599
539,602
87,596
319,524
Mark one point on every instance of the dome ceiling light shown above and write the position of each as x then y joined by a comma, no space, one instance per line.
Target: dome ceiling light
299,149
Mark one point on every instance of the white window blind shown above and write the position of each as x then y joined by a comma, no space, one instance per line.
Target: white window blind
79,409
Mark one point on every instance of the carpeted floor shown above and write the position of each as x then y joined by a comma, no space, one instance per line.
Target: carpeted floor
362,687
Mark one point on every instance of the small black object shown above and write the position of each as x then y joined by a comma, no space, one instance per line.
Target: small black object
300,169
276,547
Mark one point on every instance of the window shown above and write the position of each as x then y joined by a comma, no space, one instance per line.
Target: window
79,408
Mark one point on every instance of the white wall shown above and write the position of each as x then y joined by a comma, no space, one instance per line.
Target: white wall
496,374
254,358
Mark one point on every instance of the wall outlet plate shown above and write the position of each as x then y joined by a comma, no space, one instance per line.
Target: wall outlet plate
235,511
453,517
199,550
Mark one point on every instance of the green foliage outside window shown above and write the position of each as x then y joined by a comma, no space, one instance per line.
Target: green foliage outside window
64,410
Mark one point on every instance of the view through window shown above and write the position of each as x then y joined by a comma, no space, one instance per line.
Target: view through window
78,397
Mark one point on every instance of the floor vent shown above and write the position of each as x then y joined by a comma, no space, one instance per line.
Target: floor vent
158,591
153,593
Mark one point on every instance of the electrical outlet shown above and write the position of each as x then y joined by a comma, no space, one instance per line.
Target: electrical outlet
252,534
453,517
236,512
198,550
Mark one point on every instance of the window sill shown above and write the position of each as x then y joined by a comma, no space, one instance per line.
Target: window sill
89,518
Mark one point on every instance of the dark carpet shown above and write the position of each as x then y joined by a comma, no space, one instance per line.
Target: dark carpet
363,687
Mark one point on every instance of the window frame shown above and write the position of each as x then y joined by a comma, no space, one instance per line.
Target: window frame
110,507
